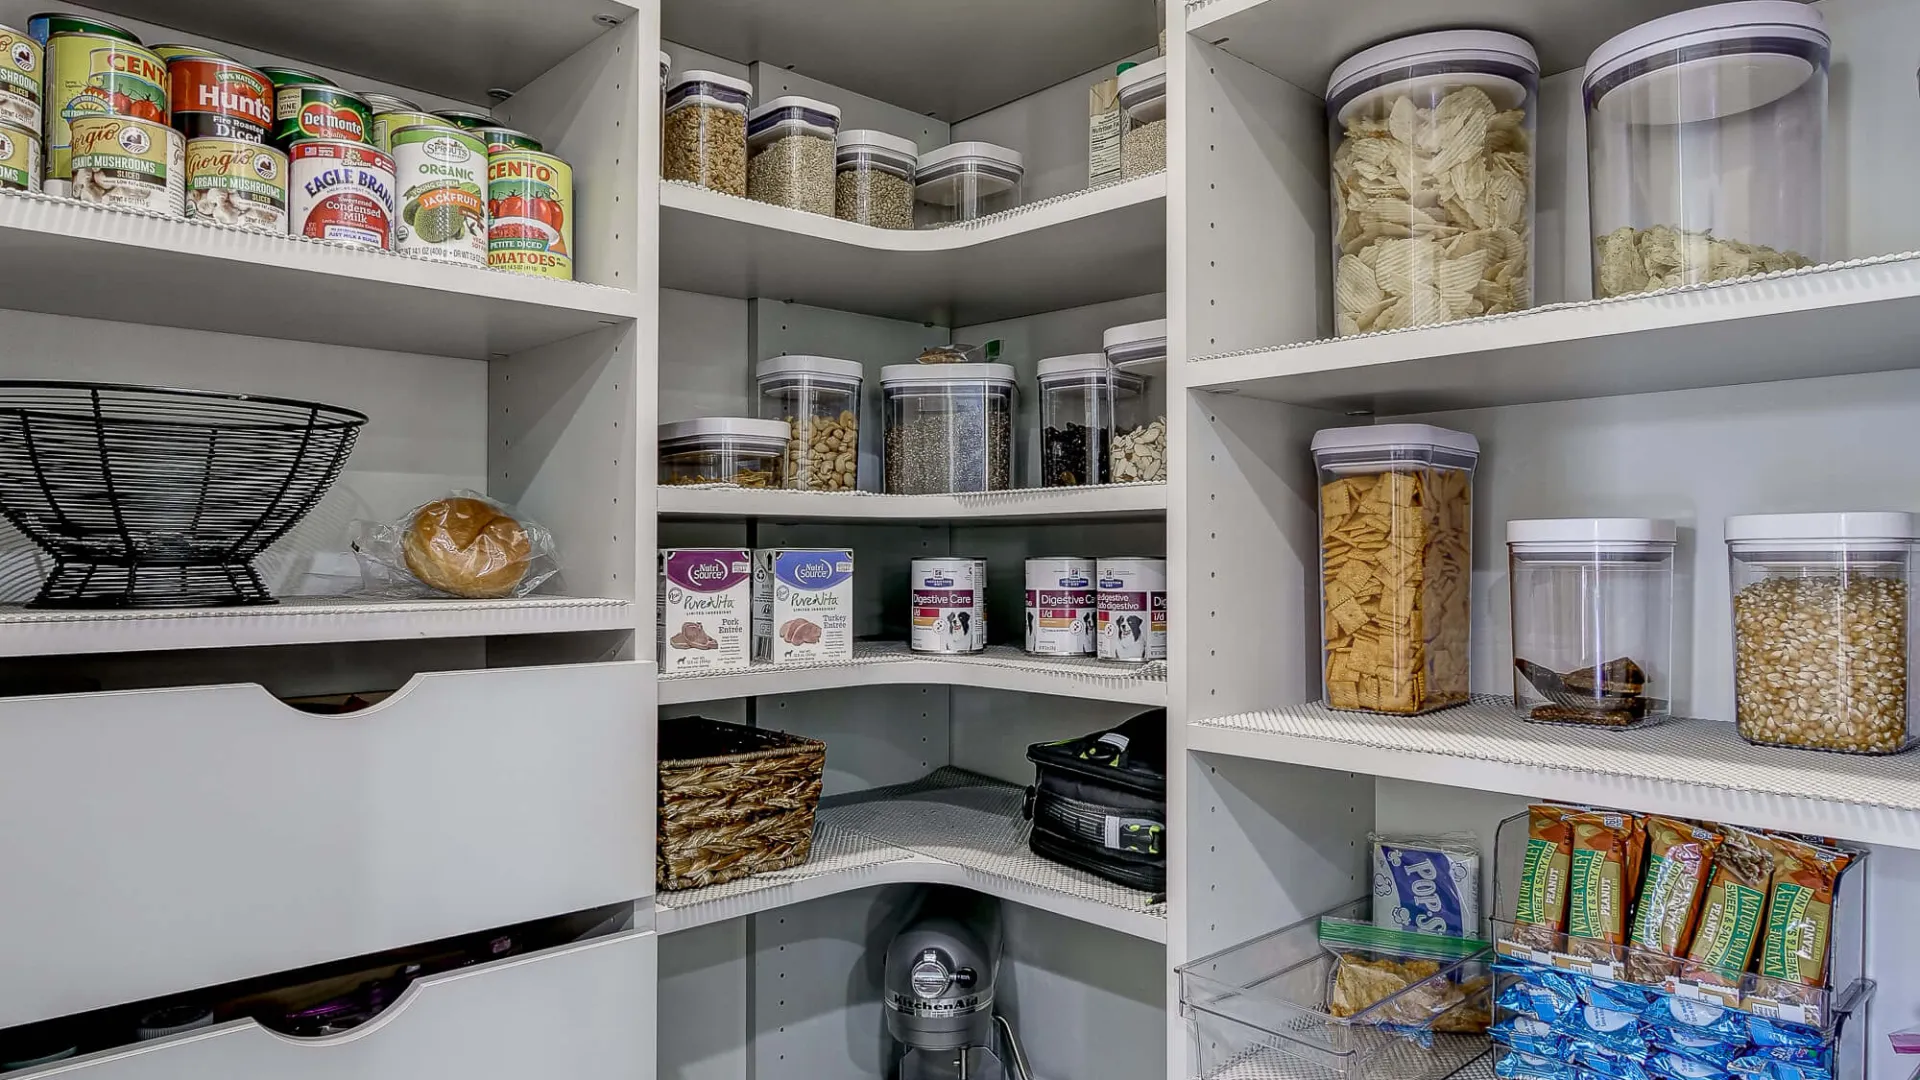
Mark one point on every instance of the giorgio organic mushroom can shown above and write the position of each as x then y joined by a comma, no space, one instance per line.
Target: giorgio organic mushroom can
441,176
121,161
22,75
19,158
237,182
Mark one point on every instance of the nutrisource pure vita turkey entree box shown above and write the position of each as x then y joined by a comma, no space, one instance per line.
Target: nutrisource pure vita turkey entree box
802,605
706,597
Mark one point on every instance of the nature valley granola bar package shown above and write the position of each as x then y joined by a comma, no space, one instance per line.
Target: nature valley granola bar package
1730,921
1604,872
1540,910
1679,858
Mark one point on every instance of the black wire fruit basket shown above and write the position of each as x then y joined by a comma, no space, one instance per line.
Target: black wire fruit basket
153,497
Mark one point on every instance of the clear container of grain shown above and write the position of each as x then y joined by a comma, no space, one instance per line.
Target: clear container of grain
1143,132
818,398
1432,183
724,450
706,131
949,427
873,176
1592,614
1821,606
1140,442
1396,561
1706,146
790,153
967,180
1083,403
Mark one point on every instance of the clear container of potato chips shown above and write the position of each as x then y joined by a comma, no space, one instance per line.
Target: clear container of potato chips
1396,561
1432,185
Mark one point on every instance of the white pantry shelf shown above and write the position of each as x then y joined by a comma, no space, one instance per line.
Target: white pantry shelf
1017,506
1001,667
1106,243
69,258
1845,319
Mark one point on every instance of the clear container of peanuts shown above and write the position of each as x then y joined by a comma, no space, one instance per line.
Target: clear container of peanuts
818,398
724,450
1140,442
705,128
1821,606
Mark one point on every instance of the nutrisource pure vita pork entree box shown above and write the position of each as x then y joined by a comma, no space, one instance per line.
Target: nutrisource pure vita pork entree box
706,608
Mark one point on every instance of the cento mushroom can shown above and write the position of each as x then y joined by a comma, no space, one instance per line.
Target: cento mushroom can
530,211
341,191
22,80
92,75
121,161
441,176
19,158
237,182
317,111
386,123
219,99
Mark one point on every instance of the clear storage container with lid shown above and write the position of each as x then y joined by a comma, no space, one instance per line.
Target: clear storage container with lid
818,398
1083,402
1396,561
949,427
1143,138
1432,184
1821,606
1706,146
967,180
706,131
790,153
1592,607
1140,448
723,450
873,178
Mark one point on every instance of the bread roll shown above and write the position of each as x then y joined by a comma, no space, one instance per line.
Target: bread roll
466,547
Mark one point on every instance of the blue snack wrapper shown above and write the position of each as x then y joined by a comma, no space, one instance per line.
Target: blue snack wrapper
1612,1030
1765,1032
1514,1065
1561,983
1538,1000
1703,1017
1818,1056
1530,1036
1603,1062
1623,997
1766,1068
1431,885
1672,1066
1702,1047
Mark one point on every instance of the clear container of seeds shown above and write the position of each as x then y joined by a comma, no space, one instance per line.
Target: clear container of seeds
818,398
873,175
790,152
724,450
706,131
1143,133
1821,606
967,180
949,427
1083,403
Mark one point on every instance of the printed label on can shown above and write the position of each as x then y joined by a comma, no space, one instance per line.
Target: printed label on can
219,99
341,191
235,182
22,73
948,605
43,26
19,159
316,111
1060,607
386,123
443,209
120,161
1132,598
530,214
472,121
499,140
170,53
90,75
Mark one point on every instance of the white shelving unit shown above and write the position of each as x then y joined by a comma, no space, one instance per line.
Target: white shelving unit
1002,667
1024,505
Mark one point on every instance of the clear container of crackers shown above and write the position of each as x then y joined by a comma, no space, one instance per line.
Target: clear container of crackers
1396,559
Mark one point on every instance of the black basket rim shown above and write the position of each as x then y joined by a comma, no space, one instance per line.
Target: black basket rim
346,416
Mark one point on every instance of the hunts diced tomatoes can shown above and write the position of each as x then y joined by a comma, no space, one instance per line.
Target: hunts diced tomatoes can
219,99
19,158
341,191
121,161
313,111
92,75
530,207
443,208
237,182
23,73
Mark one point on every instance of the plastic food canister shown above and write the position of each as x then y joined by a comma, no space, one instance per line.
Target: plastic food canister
790,153
724,450
949,427
1706,146
1592,607
1143,134
873,174
1396,532
1432,183
818,398
967,180
1083,404
1140,445
1821,607
706,131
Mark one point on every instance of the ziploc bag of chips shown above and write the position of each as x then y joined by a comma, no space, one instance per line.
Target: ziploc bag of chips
1428,884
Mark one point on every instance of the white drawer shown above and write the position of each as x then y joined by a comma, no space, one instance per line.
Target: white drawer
584,1012
160,840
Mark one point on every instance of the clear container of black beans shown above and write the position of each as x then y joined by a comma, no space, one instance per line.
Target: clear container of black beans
1083,400
949,427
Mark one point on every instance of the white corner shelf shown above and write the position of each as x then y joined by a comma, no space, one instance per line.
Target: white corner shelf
954,828
1022,505
1102,244
300,620
69,258
1269,1063
1687,767
1001,667
1844,319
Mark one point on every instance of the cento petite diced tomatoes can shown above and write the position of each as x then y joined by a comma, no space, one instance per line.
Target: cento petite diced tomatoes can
23,73
91,75
530,206
219,99
341,191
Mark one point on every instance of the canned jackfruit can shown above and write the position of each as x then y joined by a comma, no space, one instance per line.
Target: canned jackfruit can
121,161
386,123
19,158
90,75
530,207
237,182
440,172
315,111
219,99
22,79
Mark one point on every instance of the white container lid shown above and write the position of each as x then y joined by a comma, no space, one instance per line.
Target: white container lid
909,374
1845,527
712,78
796,102
722,427
1393,437
984,153
665,63
1562,533
1142,79
1721,82
825,366
1437,47
1140,333
869,139
1074,364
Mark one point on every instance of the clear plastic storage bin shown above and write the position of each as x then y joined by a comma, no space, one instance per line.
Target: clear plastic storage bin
967,180
1083,403
1140,449
705,128
1821,607
949,427
873,179
790,153
1592,607
1396,562
1143,100
818,398
1432,184
724,450
1706,146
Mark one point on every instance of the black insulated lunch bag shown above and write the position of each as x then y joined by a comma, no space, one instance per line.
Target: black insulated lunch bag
1099,803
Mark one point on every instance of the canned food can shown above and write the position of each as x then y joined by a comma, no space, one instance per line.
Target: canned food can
440,173
386,123
316,111
282,77
22,79
174,51
341,191
505,138
1060,606
219,99
1132,598
92,74
466,118
19,158
530,214
949,605
237,182
43,26
121,161
380,102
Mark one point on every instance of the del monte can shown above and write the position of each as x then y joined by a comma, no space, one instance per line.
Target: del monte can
443,210
313,111
530,207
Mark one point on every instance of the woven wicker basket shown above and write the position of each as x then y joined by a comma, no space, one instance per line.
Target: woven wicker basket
734,801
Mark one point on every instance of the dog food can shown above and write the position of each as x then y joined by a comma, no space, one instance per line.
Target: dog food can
501,139
237,182
219,99
1060,606
443,210
1133,609
530,214
19,158
465,118
92,75
949,605
22,75
120,161
339,190
317,111
386,123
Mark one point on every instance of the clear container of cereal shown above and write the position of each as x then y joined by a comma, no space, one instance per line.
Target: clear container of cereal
873,176
1592,615
967,180
1706,146
1143,130
1140,445
1083,401
705,128
1821,606
1396,562
724,450
790,154
1432,183
818,398
949,427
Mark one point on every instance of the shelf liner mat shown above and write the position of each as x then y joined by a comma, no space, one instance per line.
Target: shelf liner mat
996,656
836,850
1392,1063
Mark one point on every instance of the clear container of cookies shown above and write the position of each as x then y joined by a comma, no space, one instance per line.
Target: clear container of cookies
1396,561
724,450
818,398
